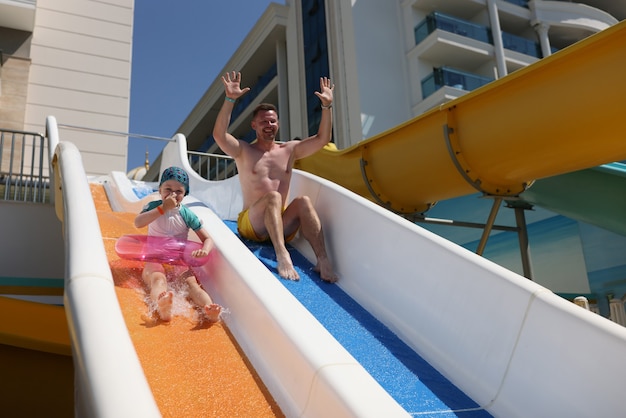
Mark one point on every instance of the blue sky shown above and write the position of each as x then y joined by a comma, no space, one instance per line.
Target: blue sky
179,48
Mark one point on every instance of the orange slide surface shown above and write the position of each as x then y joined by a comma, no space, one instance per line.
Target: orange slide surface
193,368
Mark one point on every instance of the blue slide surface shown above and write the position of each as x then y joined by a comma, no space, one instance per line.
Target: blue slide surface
406,376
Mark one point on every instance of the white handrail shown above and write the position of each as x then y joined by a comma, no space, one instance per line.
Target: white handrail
52,134
109,379
511,345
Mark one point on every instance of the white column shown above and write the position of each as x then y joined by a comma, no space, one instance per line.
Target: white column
496,32
542,30
283,92
343,69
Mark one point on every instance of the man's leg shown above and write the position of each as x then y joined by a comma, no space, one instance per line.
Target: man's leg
301,213
266,219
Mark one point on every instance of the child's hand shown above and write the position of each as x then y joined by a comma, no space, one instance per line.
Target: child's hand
170,202
200,253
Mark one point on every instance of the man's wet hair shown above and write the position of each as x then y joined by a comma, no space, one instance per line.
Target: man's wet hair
264,107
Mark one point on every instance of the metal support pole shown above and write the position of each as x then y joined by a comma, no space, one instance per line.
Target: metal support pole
520,220
489,225
452,222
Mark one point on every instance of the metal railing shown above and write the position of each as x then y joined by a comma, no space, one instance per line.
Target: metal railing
212,166
23,162
451,24
521,3
446,76
475,31
208,166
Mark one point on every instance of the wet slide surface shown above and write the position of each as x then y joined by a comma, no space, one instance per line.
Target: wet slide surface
409,379
194,369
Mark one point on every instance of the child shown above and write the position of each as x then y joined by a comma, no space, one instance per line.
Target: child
169,217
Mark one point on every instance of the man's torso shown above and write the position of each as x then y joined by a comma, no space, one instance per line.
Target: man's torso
261,171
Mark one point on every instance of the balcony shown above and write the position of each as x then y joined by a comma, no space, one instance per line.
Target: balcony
521,45
521,3
453,25
445,76
439,50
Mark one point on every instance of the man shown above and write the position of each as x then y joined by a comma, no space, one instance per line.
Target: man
265,168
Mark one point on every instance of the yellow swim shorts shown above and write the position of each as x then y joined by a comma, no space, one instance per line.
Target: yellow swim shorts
247,231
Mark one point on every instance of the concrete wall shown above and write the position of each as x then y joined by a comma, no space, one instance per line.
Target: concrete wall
13,87
80,73
32,241
384,85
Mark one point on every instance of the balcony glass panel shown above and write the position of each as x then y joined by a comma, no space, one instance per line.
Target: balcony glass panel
521,45
522,3
446,76
451,24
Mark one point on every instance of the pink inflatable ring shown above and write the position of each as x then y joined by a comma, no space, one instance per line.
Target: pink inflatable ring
163,250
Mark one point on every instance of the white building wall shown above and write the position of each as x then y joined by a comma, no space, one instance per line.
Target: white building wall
295,89
80,73
374,62
343,67
390,67
384,84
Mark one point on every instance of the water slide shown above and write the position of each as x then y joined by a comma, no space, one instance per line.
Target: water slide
305,371
594,195
557,116
435,296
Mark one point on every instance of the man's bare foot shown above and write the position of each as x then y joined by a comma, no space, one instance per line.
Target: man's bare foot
212,312
164,306
325,269
286,270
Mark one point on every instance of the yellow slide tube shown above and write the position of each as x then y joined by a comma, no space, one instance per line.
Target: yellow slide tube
561,114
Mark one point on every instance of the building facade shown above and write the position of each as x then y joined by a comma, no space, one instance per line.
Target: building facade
390,61
394,60
72,60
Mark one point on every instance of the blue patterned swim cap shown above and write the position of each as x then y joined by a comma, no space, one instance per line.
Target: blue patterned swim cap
178,174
